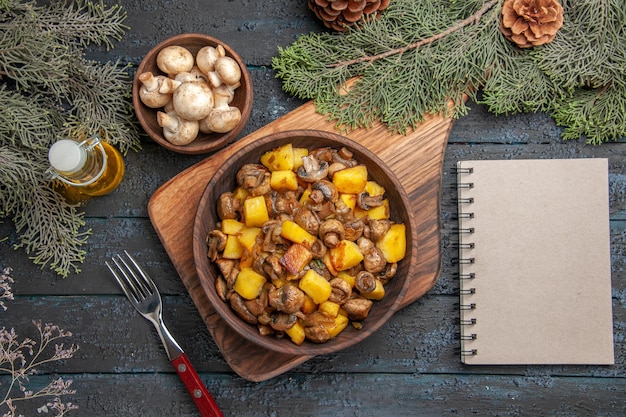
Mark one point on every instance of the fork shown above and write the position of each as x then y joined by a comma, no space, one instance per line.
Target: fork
144,296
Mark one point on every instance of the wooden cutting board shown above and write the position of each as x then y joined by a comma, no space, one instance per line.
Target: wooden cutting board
416,159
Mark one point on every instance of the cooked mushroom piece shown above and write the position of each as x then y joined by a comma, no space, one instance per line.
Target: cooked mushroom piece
357,308
365,282
317,197
282,321
307,219
312,169
316,319
374,261
340,290
318,249
265,330
365,245
220,288
344,156
227,266
288,299
328,190
317,334
367,202
354,229
331,232
273,268
227,206
259,304
238,304
388,272
271,232
378,229
334,167
343,211
216,242
255,178
282,203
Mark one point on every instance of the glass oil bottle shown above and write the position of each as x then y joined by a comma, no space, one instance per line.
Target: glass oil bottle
85,169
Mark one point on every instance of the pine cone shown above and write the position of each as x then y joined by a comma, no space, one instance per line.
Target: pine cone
531,22
341,14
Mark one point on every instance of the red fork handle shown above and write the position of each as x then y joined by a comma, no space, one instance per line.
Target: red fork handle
204,401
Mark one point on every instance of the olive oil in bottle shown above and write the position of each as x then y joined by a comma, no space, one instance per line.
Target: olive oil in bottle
85,169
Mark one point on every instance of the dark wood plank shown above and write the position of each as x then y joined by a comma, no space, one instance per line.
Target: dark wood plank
421,338
124,395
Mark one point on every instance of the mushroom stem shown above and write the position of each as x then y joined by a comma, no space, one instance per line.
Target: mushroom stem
223,117
150,92
177,130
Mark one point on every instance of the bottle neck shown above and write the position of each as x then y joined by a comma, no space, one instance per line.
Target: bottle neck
77,164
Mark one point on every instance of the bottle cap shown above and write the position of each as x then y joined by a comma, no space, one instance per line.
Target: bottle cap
67,156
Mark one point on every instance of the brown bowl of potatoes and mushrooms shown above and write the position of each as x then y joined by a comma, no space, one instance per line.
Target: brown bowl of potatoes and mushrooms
192,94
304,241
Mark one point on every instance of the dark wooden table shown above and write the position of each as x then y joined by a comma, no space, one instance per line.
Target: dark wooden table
410,367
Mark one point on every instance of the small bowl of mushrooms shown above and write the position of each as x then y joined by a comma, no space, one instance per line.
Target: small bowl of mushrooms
192,94
304,241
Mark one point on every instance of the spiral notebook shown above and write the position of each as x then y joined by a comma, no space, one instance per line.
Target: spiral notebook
534,260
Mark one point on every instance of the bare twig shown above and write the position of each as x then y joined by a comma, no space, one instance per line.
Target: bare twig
460,25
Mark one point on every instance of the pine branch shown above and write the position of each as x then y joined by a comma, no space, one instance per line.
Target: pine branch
100,94
49,92
50,230
473,19
599,115
25,120
420,55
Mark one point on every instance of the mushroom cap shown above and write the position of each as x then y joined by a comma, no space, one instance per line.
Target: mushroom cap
206,57
174,59
150,92
222,121
228,70
193,100
176,129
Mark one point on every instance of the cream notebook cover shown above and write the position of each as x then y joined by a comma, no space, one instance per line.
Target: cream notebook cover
535,264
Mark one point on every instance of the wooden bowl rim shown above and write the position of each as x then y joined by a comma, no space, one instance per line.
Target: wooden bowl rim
197,146
249,332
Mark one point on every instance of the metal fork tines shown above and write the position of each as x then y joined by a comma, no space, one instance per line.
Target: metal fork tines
144,296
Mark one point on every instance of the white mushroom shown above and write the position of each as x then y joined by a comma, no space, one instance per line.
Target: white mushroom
193,100
174,59
226,71
194,75
222,118
149,91
177,130
206,57
168,86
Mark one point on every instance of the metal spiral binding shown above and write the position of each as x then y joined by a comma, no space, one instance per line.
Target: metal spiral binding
465,261
465,306
458,170
471,275
469,352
